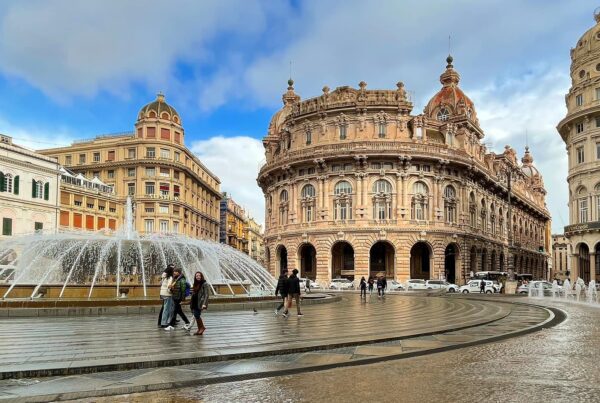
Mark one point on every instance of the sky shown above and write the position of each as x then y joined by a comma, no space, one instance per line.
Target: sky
75,69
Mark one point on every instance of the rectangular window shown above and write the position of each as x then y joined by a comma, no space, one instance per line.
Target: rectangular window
110,174
176,155
178,137
376,165
382,130
90,205
165,172
163,208
165,134
130,172
579,100
164,189
149,207
580,155
111,155
65,219
164,226
140,132
175,174
68,160
96,174
82,158
149,188
583,211
78,203
579,128
598,121
598,151
7,226
101,208
150,171
149,226
131,189
150,152
131,153
426,168
165,153
308,137
597,93
343,132
77,220
176,190
176,227
101,222
96,157
151,132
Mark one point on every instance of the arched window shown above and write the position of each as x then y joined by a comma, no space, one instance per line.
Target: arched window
450,204
308,137
443,114
382,200
382,130
283,196
342,201
583,205
483,216
308,198
419,201
283,207
500,222
343,132
493,219
472,211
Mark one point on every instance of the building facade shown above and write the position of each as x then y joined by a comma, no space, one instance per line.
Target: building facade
28,190
88,204
254,235
232,224
560,257
171,189
355,185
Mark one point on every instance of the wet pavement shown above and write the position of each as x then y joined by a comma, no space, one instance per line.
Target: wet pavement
560,364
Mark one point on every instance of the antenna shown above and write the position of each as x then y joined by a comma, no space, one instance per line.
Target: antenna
449,43
526,139
290,69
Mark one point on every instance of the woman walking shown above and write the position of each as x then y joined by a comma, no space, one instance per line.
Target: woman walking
363,287
166,311
199,301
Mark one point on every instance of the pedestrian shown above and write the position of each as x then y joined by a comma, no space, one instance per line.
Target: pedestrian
371,282
383,285
307,285
471,274
482,287
294,293
200,292
178,288
282,289
363,287
166,310
379,286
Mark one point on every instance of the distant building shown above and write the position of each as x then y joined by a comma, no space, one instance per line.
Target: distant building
28,190
88,204
254,235
171,189
560,256
232,223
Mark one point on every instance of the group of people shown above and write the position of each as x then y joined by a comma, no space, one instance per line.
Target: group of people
288,288
381,283
174,289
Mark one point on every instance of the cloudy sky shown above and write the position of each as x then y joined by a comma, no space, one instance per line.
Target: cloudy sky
75,69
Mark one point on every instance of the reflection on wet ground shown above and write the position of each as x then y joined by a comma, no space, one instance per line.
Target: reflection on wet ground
561,364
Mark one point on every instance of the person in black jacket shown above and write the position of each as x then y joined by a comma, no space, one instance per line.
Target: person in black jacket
363,287
282,289
293,293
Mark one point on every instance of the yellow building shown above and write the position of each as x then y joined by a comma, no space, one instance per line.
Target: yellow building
254,234
233,219
88,204
171,189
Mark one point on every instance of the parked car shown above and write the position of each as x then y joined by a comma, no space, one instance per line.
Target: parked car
535,285
313,284
394,285
474,287
341,284
435,284
416,284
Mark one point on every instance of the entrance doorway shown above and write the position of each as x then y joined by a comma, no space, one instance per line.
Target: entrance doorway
342,261
381,259
308,261
420,261
584,262
450,257
282,259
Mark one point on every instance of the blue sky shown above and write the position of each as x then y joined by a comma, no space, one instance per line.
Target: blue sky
72,70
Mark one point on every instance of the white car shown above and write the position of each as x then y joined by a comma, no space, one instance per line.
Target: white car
474,287
313,284
416,284
341,284
535,285
433,284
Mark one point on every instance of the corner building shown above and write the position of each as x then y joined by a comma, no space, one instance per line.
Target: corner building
580,130
171,189
355,185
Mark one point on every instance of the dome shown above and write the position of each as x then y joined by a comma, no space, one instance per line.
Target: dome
528,169
450,101
159,109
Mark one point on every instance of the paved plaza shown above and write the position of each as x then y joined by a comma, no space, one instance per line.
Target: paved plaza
126,354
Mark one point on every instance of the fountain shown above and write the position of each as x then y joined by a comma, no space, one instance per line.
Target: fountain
578,293
101,265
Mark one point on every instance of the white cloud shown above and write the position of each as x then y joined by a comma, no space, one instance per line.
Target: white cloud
235,160
36,138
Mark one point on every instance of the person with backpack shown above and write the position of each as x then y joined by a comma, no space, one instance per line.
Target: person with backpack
166,310
199,302
178,291
363,287
379,286
282,289
294,293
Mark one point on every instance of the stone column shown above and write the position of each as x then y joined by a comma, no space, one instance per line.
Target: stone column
593,266
574,267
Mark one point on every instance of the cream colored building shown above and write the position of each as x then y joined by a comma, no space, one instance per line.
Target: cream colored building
88,204
28,190
233,218
355,185
560,256
171,189
254,235
580,130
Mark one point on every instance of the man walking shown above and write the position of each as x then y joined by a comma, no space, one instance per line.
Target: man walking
307,285
294,293
383,285
379,287
282,289
178,287
482,287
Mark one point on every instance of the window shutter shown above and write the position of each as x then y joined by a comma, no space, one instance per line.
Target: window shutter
2,189
47,191
33,189
16,185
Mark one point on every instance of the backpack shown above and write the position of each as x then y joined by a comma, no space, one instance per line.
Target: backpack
188,289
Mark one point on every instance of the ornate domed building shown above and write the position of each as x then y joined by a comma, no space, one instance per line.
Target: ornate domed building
580,130
355,185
